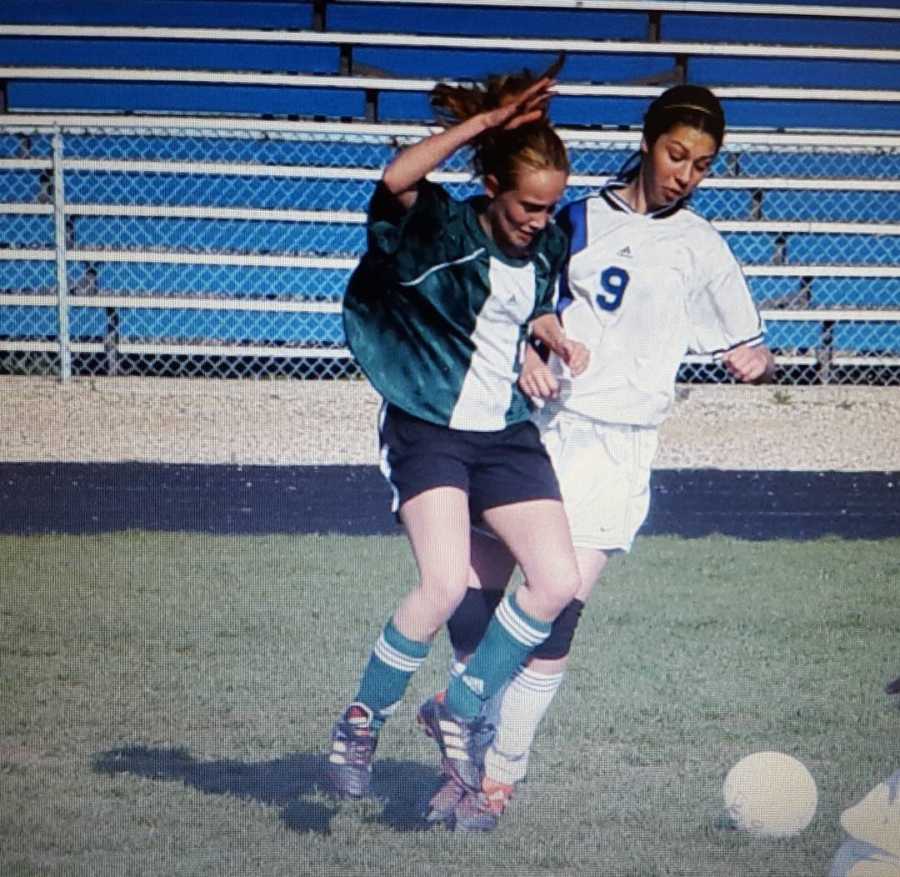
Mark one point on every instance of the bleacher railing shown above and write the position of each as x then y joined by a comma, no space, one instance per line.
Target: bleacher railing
207,247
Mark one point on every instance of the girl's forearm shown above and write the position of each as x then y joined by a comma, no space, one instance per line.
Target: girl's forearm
549,330
415,162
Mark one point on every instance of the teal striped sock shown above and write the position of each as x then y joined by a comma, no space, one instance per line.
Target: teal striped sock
509,639
391,665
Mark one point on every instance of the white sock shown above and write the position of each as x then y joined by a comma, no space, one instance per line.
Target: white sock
523,703
457,667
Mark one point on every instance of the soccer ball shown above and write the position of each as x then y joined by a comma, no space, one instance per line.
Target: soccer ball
770,794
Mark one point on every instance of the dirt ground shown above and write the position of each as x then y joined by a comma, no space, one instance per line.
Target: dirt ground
333,422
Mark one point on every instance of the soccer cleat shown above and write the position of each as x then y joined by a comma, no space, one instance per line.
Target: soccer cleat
485,735
462,742
443,802
353,742
481,811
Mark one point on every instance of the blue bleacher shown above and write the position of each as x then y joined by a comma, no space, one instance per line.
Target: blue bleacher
855,292
597,67
783,30
111,96
235,281
186,326
130,97
794,72
601,162
311,283
880,4
468,64
752,248
878,338
568,110
23,276
777,292
168,54
831,206
275,14
197,326
855,249
802,114
28,322
824,293
618,112
215,191
21,186
222,236
88,324
756,248
505,21
723,203
256,150
26,231
401,106
21,146
802,163
800,336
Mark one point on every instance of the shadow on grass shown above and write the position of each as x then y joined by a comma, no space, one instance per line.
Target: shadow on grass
402,786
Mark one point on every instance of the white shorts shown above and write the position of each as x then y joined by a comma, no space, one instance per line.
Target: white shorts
604,475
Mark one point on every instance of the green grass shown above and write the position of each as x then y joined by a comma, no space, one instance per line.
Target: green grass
166,701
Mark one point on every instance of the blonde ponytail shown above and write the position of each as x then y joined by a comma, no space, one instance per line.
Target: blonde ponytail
499,152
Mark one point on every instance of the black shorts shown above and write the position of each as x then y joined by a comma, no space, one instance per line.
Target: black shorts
494,468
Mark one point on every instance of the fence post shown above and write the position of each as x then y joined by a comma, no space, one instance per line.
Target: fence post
62,274
825,353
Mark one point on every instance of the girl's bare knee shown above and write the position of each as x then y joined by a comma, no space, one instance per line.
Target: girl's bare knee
547,597
444,594
566,591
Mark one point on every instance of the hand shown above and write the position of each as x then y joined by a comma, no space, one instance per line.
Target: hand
748,363
575,355
520,109
537,380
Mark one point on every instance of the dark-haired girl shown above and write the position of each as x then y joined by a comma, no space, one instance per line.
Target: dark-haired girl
646,279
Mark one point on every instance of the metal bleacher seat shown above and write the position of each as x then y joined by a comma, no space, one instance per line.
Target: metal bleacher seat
217,157
377,60
273,14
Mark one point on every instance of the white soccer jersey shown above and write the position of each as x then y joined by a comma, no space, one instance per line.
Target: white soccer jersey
641,290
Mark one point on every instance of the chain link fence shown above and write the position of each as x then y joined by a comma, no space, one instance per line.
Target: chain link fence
201,251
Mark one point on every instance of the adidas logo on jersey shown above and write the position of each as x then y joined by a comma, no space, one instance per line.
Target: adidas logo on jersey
625,252
473,682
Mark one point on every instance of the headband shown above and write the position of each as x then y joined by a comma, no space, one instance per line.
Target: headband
696,107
